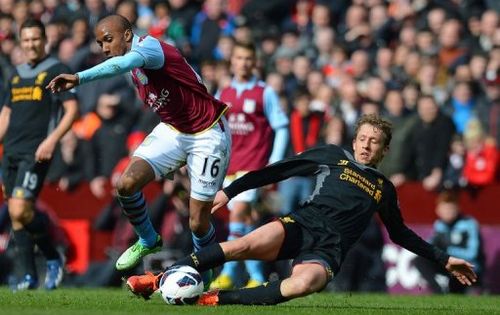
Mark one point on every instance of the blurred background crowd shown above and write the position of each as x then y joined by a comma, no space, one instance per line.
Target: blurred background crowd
431,67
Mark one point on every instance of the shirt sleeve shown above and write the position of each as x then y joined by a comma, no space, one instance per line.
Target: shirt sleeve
299,165
112,67
402,235
272,109
150,49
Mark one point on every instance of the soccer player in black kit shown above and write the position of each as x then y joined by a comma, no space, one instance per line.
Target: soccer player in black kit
32,121
318,235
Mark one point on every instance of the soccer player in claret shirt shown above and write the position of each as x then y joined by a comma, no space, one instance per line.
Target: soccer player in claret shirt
259,131
318,235
32,122
192,131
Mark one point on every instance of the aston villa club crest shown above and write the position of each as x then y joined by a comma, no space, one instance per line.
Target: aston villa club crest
249,106
141,76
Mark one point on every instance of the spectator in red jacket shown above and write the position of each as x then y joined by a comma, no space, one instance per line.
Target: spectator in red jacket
481,157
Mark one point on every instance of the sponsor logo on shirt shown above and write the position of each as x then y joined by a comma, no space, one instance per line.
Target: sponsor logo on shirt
156,102
26,93
239,125
362,182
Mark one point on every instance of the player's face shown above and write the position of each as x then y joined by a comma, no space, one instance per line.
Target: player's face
368,146
112,40
33,44
242,62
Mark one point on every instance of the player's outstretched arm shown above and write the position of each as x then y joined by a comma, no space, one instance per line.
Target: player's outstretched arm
220,200
109,68
462,270
63,82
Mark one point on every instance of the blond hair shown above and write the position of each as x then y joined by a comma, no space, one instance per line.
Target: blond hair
378,122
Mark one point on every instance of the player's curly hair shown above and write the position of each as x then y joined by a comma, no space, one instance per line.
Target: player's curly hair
378,122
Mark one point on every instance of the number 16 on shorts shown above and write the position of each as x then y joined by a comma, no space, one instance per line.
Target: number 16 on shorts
207,175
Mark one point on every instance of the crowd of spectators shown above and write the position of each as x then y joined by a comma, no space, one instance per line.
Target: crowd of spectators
432,67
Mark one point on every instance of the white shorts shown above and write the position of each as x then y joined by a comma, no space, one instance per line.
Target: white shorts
249,196
206,155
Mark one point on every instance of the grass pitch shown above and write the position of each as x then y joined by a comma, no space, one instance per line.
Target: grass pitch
117,301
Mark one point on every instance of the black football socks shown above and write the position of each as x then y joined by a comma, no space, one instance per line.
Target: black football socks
39,230
266,294
205,259
25,252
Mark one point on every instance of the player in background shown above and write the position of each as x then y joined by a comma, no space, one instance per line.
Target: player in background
32,122
259,132
192,131
317,235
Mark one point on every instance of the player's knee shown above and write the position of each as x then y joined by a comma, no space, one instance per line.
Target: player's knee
126,186
303,286
195,224
20,210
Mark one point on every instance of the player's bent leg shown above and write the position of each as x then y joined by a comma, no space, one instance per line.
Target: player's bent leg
263,243
35,230
21,212
203,231
199,218
137,174
24,246
305,279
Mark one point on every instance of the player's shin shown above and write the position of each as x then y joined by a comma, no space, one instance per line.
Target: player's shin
39,230
203,241
25,256
200,242
134,208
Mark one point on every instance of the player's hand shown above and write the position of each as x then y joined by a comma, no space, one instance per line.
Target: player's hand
461,270
45,150
63,82
220,201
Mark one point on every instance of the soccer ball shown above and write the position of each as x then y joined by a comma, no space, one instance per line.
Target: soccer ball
181,285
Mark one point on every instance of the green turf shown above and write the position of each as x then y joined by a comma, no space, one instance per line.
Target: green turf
116,301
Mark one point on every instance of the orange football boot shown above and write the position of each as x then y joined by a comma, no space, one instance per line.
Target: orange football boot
144,285
209,298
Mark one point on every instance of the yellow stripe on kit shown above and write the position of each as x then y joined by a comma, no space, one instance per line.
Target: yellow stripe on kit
204,130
